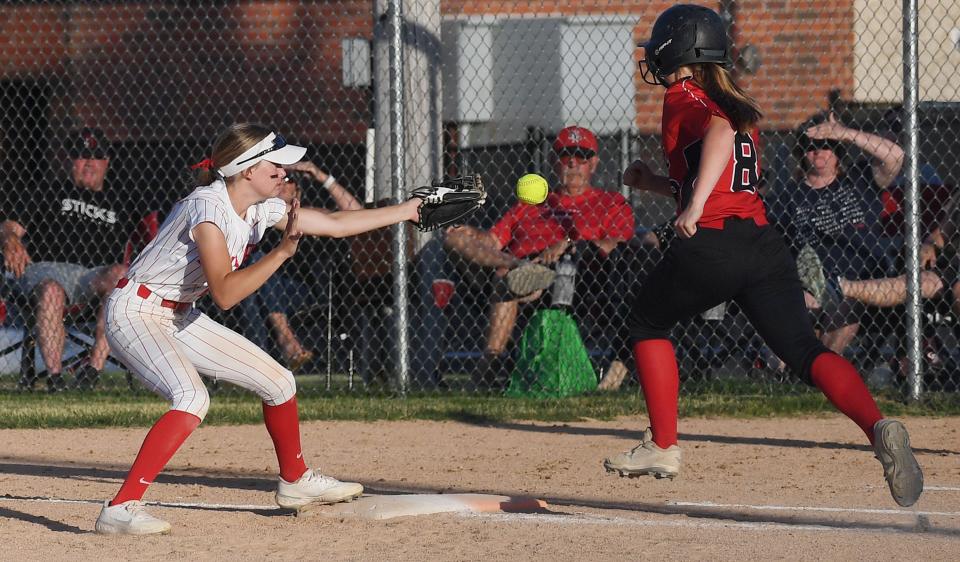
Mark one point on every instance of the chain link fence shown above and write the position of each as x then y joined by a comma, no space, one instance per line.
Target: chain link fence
483,88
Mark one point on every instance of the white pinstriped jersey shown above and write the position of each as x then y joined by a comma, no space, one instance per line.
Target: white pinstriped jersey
170,264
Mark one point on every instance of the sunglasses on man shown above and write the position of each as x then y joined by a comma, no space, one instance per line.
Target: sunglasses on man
90,155
808,144
576,152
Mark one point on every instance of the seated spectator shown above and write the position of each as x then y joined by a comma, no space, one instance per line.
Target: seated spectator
287,291
934,199
831,219
935,194
576,218
370,303
64,242
941,251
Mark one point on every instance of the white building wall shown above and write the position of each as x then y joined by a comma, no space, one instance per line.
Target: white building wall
878,50
503,76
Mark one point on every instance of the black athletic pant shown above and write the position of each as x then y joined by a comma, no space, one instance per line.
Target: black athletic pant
743,262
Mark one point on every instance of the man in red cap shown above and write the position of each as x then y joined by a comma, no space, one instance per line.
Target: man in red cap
576,218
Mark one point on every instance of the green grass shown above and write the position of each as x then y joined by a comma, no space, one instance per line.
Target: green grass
726,398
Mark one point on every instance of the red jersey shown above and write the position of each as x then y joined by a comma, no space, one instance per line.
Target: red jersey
592,215
686,113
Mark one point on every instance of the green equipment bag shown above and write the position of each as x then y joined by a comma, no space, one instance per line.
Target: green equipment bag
553,361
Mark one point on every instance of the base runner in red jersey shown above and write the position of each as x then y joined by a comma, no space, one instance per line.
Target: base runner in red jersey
725,251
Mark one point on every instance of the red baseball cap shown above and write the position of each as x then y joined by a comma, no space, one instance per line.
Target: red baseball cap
576,137
88,143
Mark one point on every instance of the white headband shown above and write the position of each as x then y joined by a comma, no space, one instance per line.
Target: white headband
266,149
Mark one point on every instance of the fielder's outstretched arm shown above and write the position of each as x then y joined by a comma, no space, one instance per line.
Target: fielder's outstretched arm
314,222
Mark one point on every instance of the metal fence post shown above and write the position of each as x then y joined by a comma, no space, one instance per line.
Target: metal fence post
910,90
397,175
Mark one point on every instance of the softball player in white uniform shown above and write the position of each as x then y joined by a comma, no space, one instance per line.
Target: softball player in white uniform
153,327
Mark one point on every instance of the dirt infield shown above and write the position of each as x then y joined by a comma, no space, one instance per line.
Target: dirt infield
751,489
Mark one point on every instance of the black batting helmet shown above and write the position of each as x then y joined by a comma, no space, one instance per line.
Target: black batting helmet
684,34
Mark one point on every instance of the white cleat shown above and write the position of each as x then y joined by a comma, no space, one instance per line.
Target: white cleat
646,458
892,446
314,487
129,518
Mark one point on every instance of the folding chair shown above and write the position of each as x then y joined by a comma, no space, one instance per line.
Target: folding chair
11,328
19,317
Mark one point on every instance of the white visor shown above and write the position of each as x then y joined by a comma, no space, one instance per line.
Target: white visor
264,150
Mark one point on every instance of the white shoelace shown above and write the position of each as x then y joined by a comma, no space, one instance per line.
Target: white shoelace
135,508
642,445
313,475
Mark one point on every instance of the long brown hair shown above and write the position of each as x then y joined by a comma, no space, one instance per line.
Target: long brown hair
232,142
738,105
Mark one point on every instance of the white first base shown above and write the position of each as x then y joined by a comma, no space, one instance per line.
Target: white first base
401,505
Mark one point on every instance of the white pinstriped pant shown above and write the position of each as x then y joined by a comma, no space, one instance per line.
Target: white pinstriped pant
169,350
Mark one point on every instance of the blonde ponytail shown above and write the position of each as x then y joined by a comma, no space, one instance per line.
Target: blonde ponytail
232,142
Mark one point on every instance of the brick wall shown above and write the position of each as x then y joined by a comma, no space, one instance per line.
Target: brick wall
150,75
150,71
807,51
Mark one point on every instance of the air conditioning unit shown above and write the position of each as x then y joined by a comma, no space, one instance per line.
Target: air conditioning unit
502,76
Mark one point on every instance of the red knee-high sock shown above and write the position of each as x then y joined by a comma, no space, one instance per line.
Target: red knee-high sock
660,380
161,442
841,384
283,424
